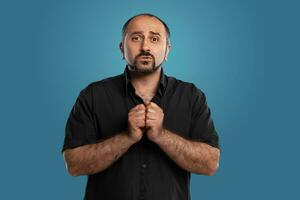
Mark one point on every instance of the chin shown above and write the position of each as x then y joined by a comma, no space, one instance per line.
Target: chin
144,66
148,69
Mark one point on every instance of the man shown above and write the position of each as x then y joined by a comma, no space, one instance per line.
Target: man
140,134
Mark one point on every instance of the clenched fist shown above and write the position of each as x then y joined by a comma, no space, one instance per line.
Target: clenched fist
136,122
154,121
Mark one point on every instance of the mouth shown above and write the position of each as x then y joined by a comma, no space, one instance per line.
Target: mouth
145,57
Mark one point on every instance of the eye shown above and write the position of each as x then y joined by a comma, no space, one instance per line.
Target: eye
154,39
136,38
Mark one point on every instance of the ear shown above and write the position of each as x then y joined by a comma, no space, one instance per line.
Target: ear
121,47
168,48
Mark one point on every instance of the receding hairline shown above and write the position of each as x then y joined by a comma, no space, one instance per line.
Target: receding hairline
127,23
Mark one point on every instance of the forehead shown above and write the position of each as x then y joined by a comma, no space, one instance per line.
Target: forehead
146,24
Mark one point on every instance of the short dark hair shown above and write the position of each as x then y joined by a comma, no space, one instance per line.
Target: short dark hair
149,15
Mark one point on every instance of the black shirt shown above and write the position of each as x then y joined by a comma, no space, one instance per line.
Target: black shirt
144,171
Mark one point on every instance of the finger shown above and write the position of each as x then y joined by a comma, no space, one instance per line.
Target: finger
151,110
153,106
137,121
141,111
141,123
133,119
138,107
141,106
152,116
137,114
139,117
143,118
150,122
155,113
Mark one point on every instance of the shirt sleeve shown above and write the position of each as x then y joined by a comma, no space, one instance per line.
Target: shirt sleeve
80,127
202,127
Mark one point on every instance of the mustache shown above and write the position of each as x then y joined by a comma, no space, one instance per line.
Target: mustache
144,53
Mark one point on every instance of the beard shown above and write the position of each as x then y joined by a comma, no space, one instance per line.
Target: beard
145,66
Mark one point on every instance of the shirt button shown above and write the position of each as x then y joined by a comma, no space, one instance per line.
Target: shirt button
144,166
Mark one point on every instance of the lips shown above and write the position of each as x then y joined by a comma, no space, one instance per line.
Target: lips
145,57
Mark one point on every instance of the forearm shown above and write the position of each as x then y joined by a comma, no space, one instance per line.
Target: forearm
94,158
196,157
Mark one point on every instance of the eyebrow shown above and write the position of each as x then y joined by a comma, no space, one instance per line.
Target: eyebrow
140,32
154,33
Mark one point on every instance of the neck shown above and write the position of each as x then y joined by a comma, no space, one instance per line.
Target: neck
145,84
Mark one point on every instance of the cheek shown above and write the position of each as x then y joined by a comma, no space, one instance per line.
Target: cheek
159,55
131,51
128,54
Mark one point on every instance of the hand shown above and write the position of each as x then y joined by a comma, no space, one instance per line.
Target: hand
136,122
154,121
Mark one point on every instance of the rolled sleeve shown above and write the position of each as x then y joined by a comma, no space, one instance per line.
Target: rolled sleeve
202,127
80,127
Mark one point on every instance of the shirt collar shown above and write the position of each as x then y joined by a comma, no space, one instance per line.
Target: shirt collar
162,82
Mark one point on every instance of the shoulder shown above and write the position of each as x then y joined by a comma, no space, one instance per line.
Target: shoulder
112,81
97,87
106,82
185,87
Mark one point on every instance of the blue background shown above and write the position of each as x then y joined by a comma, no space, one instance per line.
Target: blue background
243,54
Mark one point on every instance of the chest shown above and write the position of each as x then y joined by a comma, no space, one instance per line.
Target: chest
112,116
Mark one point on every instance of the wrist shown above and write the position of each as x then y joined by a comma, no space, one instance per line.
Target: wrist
160,137
131,140
134,133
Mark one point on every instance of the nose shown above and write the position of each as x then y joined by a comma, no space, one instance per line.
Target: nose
145,46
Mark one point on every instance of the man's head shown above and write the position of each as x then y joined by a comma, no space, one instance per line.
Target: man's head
145,43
